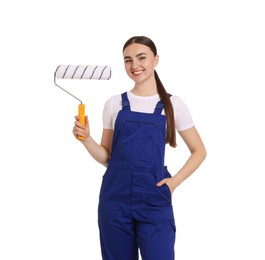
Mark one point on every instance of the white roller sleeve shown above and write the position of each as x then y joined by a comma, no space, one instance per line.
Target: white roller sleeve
83,72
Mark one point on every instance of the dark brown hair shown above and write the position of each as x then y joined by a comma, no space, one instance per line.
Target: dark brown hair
171,131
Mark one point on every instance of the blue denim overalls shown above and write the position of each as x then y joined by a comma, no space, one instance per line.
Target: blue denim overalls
133,212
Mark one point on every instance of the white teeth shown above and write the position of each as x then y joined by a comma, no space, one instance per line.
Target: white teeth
137,72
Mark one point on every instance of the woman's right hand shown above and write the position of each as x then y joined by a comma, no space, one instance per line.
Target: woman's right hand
81,130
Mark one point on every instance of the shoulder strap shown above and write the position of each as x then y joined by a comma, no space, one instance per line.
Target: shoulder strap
160,106
125,101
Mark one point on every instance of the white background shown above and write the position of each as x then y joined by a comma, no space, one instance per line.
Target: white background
211,55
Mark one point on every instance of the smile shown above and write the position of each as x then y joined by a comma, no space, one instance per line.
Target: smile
138,72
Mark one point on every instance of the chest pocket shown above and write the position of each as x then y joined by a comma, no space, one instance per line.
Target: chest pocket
138,140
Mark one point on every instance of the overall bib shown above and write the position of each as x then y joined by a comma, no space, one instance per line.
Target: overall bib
133,211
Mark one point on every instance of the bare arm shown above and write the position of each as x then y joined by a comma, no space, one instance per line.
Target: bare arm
100,152
198,153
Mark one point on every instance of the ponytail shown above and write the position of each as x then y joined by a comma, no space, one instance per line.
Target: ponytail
171,131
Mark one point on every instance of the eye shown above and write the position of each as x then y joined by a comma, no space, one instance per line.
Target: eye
127,61
142,58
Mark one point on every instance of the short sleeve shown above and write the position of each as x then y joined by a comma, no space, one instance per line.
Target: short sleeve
107,115
183,118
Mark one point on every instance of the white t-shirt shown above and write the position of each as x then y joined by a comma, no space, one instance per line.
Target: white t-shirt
113,105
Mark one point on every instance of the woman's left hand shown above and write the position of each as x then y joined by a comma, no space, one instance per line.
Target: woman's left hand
168,182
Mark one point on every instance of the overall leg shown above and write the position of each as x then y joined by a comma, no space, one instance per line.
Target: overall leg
118,239
156,240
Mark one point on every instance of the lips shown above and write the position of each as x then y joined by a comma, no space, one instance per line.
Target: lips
137,72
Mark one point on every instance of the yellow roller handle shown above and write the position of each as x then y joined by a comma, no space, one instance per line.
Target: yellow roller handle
81,115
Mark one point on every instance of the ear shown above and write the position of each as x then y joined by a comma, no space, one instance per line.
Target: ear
156,60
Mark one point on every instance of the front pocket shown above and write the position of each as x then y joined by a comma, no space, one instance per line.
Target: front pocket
165,192
157,196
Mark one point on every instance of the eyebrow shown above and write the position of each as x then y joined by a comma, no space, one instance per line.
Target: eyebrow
139,54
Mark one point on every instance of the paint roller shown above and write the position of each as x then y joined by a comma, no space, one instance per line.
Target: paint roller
81,72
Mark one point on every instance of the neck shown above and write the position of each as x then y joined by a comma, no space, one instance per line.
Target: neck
145,88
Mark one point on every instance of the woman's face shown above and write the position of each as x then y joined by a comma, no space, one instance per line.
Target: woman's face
139,62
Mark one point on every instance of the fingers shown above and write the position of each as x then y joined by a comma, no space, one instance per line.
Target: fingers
166,181
162,182
80,130
77,122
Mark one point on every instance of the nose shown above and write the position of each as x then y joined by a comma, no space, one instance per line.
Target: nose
135,64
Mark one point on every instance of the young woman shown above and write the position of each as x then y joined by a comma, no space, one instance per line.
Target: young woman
135,209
